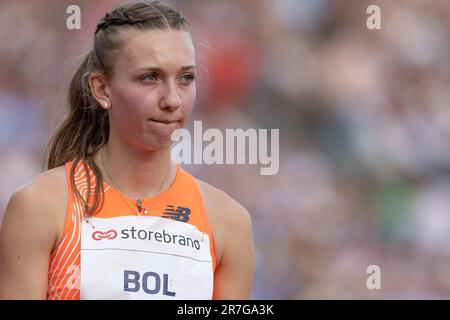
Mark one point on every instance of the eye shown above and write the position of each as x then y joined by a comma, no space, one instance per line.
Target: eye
187,78
150,77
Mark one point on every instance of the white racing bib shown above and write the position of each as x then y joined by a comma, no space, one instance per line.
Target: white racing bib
136,257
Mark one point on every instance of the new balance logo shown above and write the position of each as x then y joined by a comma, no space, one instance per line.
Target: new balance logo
179,214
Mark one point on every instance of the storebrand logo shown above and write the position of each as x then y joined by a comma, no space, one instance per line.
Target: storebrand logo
99,235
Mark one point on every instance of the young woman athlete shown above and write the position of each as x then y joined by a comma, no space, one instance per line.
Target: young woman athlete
114,217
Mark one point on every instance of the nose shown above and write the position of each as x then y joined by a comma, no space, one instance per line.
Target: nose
171,99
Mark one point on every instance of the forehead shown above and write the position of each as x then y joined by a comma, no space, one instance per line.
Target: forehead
157,48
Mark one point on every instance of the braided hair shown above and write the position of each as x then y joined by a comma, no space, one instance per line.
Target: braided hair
144,16
86,128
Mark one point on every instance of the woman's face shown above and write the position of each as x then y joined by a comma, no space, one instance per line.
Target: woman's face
152,87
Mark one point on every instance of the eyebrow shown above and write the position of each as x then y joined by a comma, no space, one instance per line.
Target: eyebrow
157,69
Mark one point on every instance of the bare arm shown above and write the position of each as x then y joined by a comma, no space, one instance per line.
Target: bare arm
233,239
234,275
27,237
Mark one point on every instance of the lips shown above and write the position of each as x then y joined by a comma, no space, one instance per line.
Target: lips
164,121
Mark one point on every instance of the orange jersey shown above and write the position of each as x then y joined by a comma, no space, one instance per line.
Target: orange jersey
118,254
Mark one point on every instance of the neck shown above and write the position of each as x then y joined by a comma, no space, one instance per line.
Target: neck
137,173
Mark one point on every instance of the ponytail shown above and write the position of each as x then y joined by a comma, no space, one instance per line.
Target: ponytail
83,132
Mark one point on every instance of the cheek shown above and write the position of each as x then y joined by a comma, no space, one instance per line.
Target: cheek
189,101
128,103
128,110
131,105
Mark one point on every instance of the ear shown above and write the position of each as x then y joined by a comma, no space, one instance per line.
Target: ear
99,89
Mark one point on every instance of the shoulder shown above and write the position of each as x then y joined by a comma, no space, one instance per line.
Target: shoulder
41,204
221,202
227,217
29,232
46,188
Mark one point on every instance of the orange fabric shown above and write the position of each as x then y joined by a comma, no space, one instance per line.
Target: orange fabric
64,266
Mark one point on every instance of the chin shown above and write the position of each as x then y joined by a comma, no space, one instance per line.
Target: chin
160,142
159,135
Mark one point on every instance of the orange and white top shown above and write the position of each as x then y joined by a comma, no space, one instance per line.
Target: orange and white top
117,254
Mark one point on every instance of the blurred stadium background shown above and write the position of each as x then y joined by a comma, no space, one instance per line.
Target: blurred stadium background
364,121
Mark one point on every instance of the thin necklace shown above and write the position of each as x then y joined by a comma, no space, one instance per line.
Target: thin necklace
139,207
